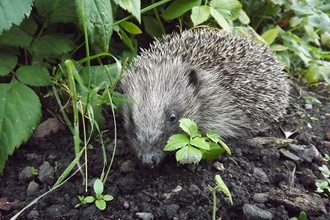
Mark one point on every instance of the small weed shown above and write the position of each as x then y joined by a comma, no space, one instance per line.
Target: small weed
195,147
221,187
99,199
34,171
324,185
302,216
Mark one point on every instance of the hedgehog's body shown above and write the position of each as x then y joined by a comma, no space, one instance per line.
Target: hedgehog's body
224,82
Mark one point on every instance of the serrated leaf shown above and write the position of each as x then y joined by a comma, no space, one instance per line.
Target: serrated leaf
221,186
7,62
189,127
99,19
20,113
34,76
227,8
52,44
131,6
221,20
270,35
188,155
20,36
214,151
100,204
179,7
200,143
98,187
55,11
130,27
213,136
199,14
13,12
176,141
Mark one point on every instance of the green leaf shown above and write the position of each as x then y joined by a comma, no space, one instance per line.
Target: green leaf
89,199
130,27
227,8
34,76
321,21
243,17
55,11
278,47
126,40
176,141
132,6
224,145
270,35
199,14
13,12
221,20
99,19
188,155
200,143
221,186
189,127
108,197
52,44
214,152
302,215
152,26
98,187
213,136
20,36
20,113
179,7
100,204
7,62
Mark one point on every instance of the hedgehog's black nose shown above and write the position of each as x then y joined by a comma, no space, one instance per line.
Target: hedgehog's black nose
149,161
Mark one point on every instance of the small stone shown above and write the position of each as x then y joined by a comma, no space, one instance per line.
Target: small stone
260,197
256,213
127,166
32,189
291,156
145,215
260,175
46,173
25,175
34,214
171,210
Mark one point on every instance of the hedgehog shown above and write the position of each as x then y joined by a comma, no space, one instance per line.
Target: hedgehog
226,83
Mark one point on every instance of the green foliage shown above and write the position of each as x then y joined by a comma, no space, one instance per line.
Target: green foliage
99,199
195,147
324,185
302,216
220,187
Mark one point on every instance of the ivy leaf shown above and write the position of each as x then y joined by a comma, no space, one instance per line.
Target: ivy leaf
13,12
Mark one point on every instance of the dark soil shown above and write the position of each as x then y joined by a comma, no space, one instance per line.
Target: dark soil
266,182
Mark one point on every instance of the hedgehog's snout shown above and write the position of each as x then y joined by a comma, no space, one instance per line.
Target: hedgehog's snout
149,160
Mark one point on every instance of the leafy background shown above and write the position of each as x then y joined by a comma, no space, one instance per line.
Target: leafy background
72,51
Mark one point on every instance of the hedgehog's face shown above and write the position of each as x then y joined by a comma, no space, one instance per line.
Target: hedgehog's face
161,99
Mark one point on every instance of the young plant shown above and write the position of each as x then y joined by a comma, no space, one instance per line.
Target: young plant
324,185
302,216
220,187
194,147
99,199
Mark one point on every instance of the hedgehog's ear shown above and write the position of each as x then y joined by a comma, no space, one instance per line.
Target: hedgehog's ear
193,80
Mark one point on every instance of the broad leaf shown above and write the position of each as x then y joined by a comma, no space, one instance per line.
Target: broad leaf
20,113
55,11
199,14
221,186
7,62
270,35
52,44
200,143
13,12
131,6
98,187
188,155
34,76
130,27
189,127
176,141
99,19
179,7
214,152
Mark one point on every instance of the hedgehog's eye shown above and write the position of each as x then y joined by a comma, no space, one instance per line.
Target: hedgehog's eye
172,117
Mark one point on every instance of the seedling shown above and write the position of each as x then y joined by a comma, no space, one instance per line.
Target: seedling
194,147
99,199
221,187
302,216
323,186
34,171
